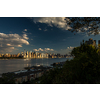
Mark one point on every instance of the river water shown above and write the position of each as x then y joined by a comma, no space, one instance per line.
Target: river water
11,65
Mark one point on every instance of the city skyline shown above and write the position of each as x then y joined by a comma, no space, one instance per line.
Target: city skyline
28,54
40,34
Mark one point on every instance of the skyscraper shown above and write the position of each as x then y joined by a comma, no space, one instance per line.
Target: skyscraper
27,54
91,42
24,53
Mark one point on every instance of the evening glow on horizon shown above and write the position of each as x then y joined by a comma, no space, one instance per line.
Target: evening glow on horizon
39,34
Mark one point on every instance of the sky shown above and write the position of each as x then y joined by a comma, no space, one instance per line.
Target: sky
39,34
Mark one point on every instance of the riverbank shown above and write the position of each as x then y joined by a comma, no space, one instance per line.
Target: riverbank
30,58
19,64
24,75
29,73
11,58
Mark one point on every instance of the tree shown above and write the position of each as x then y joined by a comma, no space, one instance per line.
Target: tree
83,68
90,25
84,48
86,63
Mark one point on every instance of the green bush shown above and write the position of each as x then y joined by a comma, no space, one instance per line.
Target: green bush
84,68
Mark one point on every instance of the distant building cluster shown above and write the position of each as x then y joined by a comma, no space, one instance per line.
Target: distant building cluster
91,42
9,55
27,54
41,55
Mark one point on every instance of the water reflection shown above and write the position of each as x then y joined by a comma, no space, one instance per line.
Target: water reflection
19,64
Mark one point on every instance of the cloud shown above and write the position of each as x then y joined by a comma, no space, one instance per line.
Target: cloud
40,29
58,22
7,49
46,49
51,50
19,45
45,30
8,42
25,36
35,49
25,30
70,48
40,49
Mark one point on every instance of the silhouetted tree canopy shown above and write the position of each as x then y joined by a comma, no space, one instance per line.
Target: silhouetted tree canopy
90,25
84,68
84,48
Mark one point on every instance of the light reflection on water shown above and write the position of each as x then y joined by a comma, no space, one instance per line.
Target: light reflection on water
19,64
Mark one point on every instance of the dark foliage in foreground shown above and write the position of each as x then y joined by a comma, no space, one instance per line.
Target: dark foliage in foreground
83,69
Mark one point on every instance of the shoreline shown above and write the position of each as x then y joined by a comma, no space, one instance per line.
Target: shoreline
14,68
6,58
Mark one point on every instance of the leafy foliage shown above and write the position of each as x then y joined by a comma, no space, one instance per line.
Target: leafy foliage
84,68
91,25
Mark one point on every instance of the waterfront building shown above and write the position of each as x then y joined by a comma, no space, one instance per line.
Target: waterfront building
21,55
9,55
32,54
18,54
52,56
24,53
58,55
6,55
40,55
36,55
55,56
91,42
43,55
47,55
29,55
14,55
2,55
